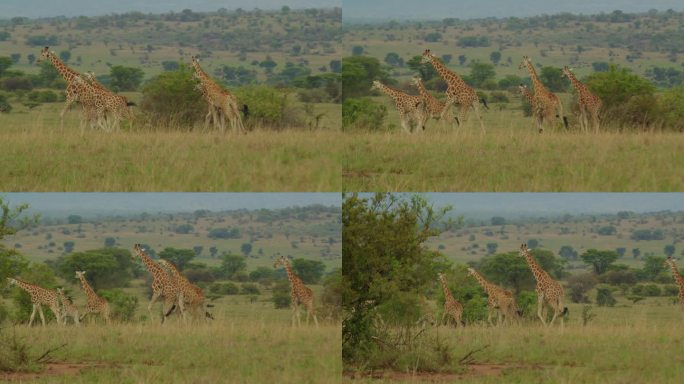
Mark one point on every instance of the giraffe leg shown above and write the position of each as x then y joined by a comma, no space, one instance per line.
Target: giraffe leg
154,298
59,315
443,315
476,108
42,316
33,314
540,308
76,319
489,316
105,313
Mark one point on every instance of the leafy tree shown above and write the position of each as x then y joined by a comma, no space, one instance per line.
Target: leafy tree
232,264
491,248
69,246
579,285
648,234
358,73
533,243
74,219
110,242
335,66
510,269
473,41
5,106
310,271
427,71
495,57
669,250
246,248
386,263
498,220
433,37
15,57
363,114
170,65
105,268
65,56
600,66
198,250
236,76
122,305
394,59
607,230
636,252
213,251
653,266
553,80
179,257
461,60
5,63
599,260
567,252
224,233
621,251
125,78
262,273
604,297
268,65
281,294
357,50
184,229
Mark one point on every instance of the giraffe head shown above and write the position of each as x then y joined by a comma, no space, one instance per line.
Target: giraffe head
417,81
522,88
44,55
524,251
525,63
11,281
669,261
281,261
377,85
138,251
566,72
427,57
80,274
471,271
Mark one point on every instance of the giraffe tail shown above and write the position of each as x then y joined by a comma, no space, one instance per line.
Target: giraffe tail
565,123
245,110
565,311
130,104
484,102
208,315
210,305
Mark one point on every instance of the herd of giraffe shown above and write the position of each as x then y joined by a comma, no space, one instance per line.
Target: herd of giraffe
416,110
168,284
104,109
549,293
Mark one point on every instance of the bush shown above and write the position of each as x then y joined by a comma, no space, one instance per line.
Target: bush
604,297
668,290
498,97
171,99
618,277
46,96
579,285
224,288
281,294
250,289
527,303
5,106
122,306
269,106
649,290
362,114
672,108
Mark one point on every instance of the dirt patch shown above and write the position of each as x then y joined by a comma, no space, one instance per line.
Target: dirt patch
473,370
51,369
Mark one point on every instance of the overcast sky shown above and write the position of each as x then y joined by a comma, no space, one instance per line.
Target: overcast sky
51,8
469,9
89,204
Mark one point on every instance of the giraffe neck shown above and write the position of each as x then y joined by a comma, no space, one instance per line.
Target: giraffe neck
449,76
204,78
538,86
537,271
391,92
484,283
151,266
447,292
290,274
24,285
678,276
86,287
575,83
67,73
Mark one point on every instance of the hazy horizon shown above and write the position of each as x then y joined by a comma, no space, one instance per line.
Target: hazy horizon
126,203
71,8
378,10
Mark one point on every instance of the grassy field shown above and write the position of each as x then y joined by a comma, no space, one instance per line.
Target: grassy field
38,155
629,343
510,157
247,342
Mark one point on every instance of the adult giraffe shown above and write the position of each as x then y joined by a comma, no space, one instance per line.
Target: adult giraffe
458,92
411,108
549,291
546,104
589,103
300,293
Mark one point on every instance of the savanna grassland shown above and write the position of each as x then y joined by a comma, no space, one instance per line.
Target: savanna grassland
248,341
306,233
637,155
38,154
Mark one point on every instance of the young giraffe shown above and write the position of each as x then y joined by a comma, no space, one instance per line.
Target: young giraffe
411,108
68,307
451,307
526,94
219,99
39,296
163,286
192,295
498,299
678,279
433,106
545,102
589,104
114,103
458,92
96,304
300,293
548,290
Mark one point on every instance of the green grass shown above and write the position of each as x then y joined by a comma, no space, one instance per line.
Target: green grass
39,155
246,343
512,156
635,343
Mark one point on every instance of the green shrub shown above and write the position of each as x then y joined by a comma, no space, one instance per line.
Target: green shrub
281,294
249,289
269,106
5,106
670,290
527,303
498,97
604,297
672,108
171,99
224,288
362,114
122,306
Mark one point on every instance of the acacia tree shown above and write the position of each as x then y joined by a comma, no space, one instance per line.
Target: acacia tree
385,262
599,260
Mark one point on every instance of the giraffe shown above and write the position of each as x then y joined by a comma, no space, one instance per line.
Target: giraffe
68,308
300,293
458,92
114,103
433,106
589,104
39,296
75,90
219,99
451,307
163,286
548,290
526,94
678,279
498,299
411,108
192,294
96,304
545,102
